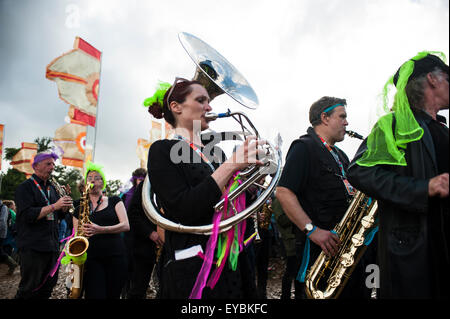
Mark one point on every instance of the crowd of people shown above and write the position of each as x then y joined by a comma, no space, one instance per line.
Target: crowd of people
402,164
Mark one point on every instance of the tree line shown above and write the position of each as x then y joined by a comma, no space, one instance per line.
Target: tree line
64,175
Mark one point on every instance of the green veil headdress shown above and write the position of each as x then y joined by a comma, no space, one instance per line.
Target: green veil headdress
386,145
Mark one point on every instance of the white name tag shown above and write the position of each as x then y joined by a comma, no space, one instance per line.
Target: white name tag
188,252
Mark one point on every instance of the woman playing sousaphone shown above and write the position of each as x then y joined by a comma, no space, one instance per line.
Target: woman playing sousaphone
188,181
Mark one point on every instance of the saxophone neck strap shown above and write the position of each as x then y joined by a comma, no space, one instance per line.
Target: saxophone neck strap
99,202
46,196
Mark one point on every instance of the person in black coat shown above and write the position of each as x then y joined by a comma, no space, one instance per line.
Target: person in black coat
145,243
404,165
39,206
189,178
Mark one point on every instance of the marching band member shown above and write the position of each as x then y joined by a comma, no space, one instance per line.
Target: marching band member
313,190
38,209
404,165
106,263
188,182
145,243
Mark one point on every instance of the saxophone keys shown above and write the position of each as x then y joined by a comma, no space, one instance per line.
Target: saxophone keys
318,295
347,260
357,240
367,221
334,281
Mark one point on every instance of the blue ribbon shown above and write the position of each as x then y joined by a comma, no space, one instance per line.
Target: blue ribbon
373,231
331,107
370,236
305,260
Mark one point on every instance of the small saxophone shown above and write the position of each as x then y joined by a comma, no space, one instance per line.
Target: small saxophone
61,192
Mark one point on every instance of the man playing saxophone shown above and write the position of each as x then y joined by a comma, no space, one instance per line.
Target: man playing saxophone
313,189
38,209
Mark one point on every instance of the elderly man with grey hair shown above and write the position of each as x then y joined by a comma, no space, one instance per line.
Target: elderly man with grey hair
404,165
38,208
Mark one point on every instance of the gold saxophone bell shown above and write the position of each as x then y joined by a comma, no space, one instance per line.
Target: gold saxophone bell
78,245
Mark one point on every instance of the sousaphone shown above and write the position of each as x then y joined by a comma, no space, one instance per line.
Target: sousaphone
219,76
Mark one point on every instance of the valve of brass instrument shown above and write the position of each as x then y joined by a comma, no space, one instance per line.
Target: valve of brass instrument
265,215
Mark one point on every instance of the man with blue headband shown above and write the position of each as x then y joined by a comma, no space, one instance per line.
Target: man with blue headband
38,209
404,165
313,190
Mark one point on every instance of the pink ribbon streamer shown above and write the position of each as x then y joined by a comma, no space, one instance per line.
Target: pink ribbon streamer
202,277
240,205
56,266
200,283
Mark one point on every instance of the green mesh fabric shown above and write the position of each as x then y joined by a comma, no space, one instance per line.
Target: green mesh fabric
385,145
158,97
95,167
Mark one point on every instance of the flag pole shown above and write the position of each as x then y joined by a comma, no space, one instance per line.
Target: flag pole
96,111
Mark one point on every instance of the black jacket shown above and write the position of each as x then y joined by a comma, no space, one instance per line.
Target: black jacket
140,226
42,234
185,190
411,251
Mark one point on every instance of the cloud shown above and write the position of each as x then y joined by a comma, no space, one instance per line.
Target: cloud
292,53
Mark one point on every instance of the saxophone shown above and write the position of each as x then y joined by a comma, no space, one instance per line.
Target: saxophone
78,245
328,275
61,192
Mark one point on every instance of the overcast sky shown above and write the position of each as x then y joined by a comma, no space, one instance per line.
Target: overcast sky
291,51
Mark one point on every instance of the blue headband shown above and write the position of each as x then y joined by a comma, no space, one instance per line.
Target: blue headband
332,107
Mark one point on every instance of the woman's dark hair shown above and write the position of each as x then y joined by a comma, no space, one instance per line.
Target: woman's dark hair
139,172
178,94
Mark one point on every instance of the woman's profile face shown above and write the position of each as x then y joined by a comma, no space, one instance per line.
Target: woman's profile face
194,108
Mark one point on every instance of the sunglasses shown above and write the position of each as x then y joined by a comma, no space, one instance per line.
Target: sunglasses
177,80
96,178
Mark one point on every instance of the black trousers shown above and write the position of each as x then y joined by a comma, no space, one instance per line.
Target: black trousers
105,277
34,268
290,275
140,276
262,262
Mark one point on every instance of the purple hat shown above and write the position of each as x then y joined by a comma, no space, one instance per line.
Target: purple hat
43,156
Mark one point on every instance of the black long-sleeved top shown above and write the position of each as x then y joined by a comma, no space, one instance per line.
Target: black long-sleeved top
33,233
140,226
185,190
